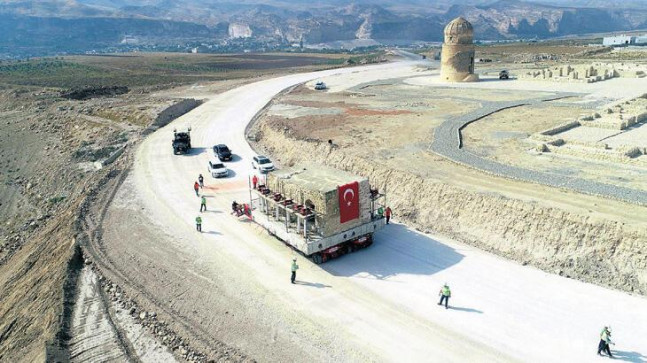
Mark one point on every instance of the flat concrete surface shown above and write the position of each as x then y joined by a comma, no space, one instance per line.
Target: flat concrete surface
588,134
633,136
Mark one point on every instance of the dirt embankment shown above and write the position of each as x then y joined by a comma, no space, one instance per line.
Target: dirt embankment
32,288
604,252
48,148
171,113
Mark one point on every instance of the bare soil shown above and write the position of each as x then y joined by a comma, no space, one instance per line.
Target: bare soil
377,121
503,136
49,147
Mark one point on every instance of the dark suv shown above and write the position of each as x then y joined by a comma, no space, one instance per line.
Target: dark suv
222,152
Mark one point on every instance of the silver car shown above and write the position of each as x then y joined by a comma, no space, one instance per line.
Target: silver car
218,169
262,163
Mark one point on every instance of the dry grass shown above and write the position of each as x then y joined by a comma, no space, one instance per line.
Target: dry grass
154,69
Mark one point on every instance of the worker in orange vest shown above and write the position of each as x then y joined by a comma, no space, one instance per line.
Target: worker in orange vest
254,181
387,213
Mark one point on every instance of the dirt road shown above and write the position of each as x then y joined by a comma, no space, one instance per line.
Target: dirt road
229,285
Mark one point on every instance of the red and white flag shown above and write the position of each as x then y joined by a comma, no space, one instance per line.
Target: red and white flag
348,202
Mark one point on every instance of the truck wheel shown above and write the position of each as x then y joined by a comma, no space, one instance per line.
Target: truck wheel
370,241
317,259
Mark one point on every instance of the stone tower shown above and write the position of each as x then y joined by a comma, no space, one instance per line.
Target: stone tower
457,58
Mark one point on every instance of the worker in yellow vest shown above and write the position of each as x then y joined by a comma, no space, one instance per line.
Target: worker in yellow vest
203,204
605,340
445,293
198,224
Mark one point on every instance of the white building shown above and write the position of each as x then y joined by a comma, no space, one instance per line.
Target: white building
641,39
619,40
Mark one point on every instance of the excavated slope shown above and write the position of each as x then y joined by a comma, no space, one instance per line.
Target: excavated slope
603,252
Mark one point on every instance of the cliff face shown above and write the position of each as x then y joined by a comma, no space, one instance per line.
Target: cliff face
75,26
515,19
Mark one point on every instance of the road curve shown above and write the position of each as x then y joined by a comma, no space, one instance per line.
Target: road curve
447,143
381,300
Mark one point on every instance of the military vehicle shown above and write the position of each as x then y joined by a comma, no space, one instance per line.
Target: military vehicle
181,141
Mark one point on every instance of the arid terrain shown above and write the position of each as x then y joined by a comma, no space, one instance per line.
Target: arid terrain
100,259
56,160
386,128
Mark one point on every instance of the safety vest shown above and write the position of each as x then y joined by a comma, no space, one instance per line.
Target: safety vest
294,266
605,336
198,220
446,291
204,200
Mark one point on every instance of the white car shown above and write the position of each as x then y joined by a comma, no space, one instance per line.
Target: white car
262,163
218,169
319,86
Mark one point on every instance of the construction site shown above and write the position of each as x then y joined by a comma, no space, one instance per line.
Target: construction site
388,184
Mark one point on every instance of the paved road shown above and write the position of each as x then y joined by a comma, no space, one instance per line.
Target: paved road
448,143
380,302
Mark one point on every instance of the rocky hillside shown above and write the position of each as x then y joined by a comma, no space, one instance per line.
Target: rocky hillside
77,26
516,19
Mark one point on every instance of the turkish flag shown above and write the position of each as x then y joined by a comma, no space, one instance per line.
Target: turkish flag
348,202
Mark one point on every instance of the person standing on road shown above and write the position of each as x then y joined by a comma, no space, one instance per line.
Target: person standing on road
605,340
295,267
445,293
201,180
203,203
246,210
387,213
196,187
198,224
254,181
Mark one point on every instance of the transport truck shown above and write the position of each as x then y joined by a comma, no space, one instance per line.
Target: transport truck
181,141
320,211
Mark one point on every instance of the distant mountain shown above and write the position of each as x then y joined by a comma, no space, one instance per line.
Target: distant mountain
517,19
80,34
92,24
604,4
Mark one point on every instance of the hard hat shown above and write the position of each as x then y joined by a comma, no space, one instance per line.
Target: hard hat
294,259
